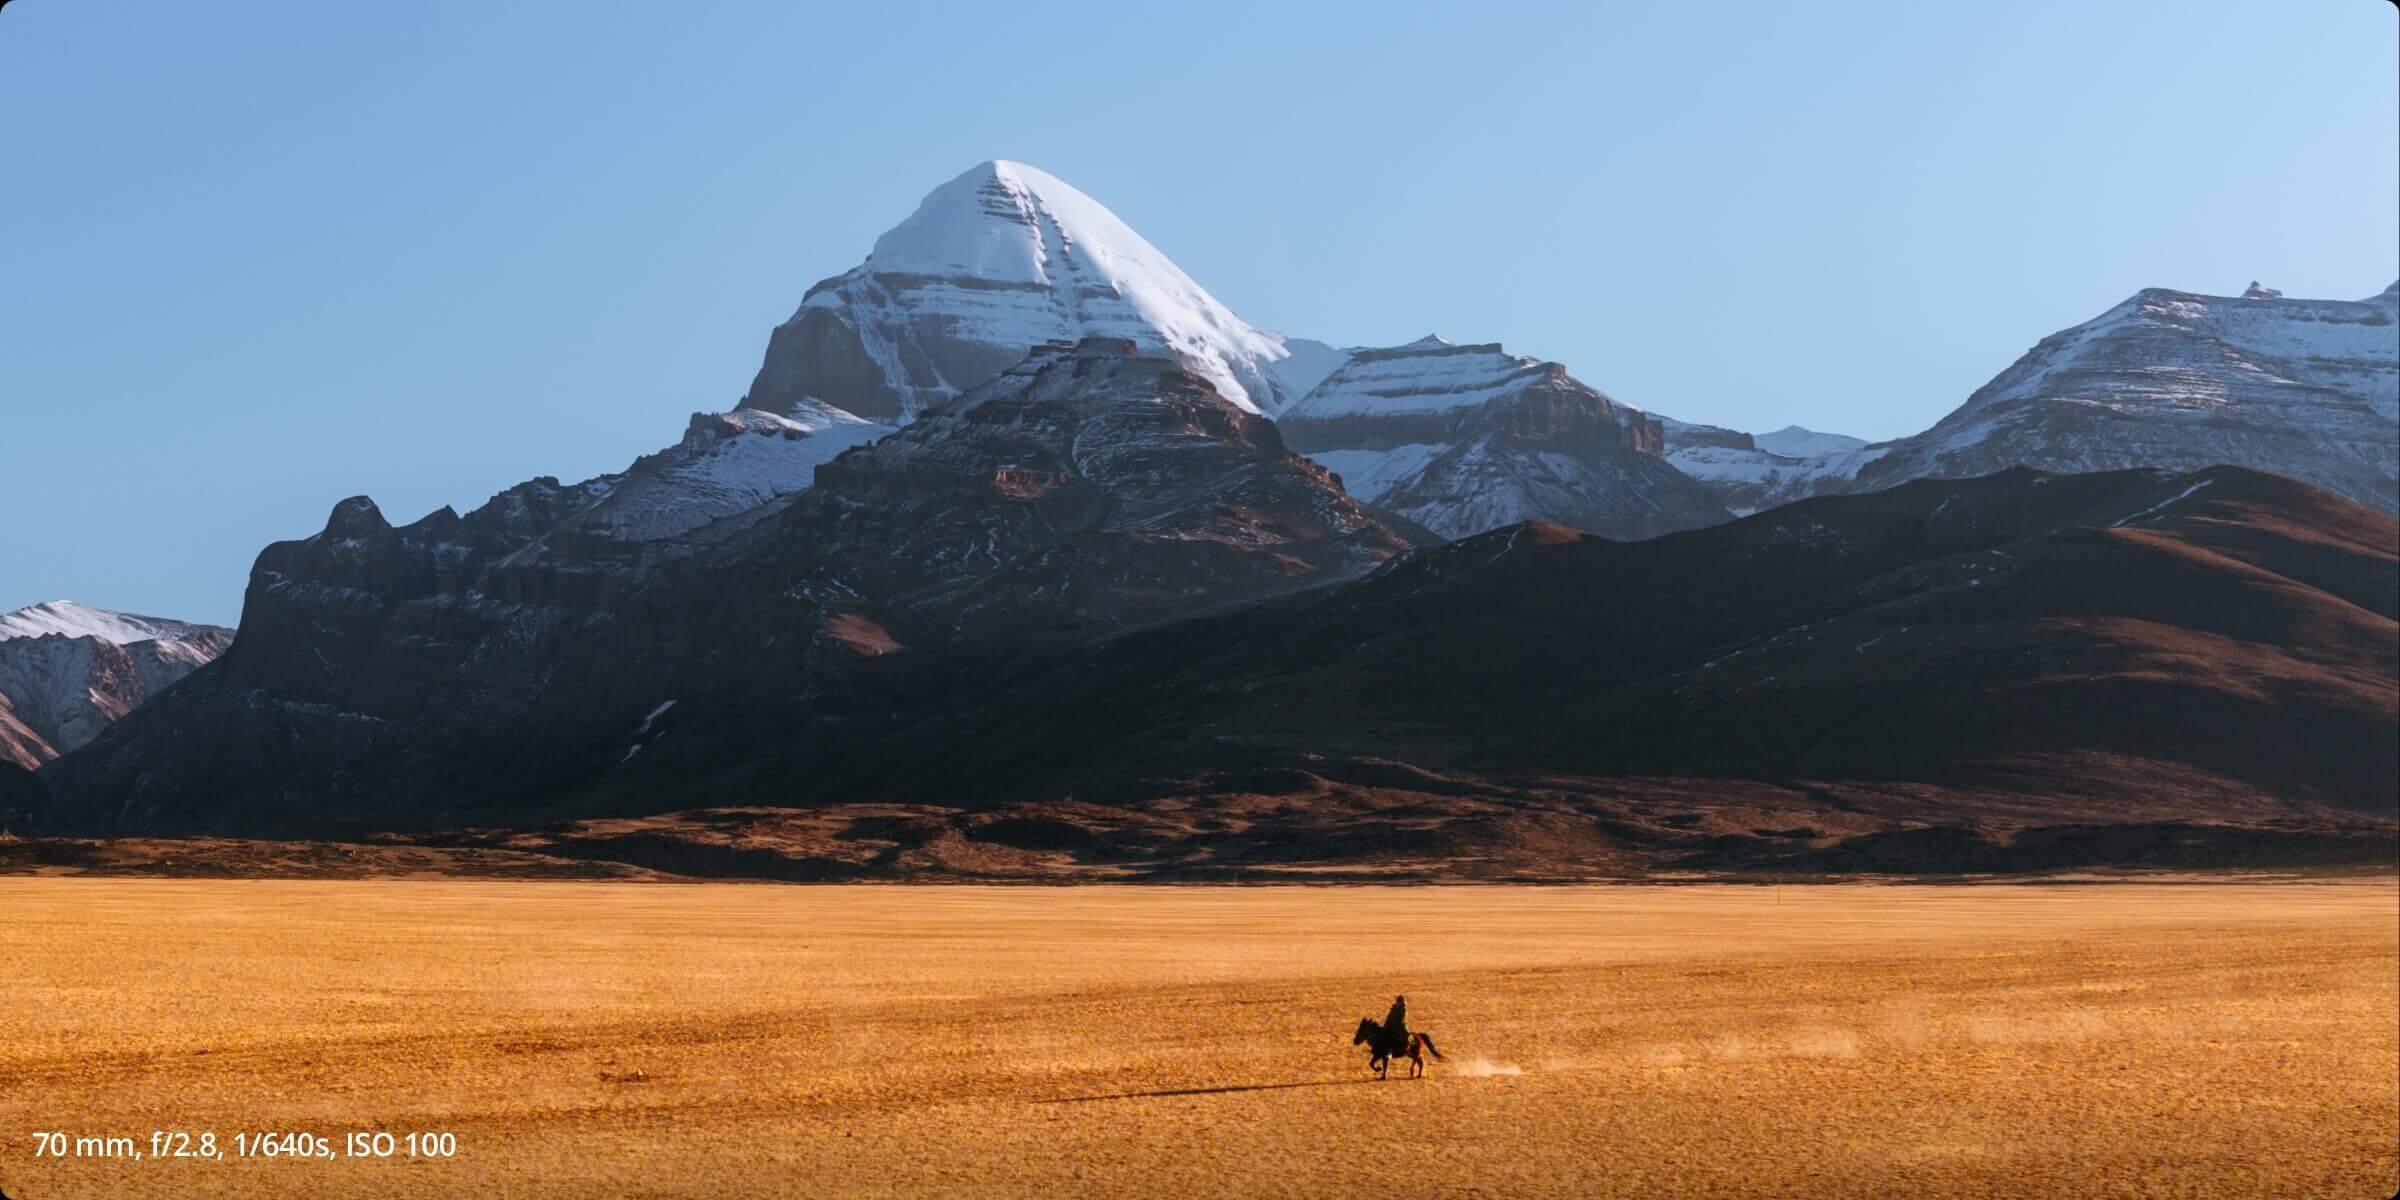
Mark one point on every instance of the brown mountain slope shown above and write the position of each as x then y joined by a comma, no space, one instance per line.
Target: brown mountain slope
2011,672
2023,671
20,746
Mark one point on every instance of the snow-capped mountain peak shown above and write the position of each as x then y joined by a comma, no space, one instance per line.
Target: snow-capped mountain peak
1793,441
1012,223
1006,222
998,260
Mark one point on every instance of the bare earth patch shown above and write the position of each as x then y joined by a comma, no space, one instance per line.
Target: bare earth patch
598,1039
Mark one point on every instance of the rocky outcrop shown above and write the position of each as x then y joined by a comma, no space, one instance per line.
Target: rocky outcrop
68,670
1464,438
1000,259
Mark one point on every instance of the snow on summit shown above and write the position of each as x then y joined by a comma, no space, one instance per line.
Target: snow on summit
1006,221
2181,381
998,260
68,670
66,618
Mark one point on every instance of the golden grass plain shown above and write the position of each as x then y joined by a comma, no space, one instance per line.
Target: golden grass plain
2218,1038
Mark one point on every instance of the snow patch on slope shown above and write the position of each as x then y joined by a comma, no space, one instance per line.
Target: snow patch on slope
727,463
1368,474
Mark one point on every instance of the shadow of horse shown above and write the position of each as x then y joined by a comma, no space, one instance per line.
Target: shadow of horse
1383,1045
1206,1091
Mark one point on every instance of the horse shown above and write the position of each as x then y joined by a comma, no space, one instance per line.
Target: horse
1384,1045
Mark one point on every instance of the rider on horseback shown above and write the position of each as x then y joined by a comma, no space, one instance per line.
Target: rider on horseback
1392,1040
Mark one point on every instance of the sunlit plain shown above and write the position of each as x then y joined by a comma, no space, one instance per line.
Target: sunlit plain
610,1039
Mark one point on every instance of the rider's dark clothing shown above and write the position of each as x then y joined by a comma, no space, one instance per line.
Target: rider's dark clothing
1395,1022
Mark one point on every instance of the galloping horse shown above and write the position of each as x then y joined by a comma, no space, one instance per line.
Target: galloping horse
1384,1045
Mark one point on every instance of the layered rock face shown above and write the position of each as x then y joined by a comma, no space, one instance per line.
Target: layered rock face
2180,381
397,676
1000,259
68,670
1464,438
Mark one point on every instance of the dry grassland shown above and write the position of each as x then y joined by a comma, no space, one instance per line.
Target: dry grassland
604,1039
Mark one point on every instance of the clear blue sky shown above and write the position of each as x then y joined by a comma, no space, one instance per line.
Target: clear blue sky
259,255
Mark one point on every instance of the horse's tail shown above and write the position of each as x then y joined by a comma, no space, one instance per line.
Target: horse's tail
1428,1040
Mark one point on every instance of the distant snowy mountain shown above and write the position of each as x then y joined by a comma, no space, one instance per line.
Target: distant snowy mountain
1465,438
66,618
2179,381
1792,441
1752,472
67,670
992,263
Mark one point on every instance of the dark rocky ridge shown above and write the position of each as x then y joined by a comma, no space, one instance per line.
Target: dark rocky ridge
2022,672
2051,636
396,677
